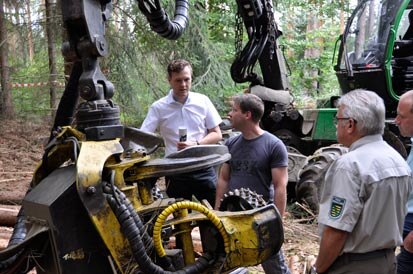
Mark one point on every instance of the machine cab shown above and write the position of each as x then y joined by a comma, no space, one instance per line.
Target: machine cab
376,50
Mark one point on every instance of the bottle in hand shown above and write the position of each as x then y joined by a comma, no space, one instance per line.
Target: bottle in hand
182,134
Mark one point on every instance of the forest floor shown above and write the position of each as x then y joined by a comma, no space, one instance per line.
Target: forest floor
21,148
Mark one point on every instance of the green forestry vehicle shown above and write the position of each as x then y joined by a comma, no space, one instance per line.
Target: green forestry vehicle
375,53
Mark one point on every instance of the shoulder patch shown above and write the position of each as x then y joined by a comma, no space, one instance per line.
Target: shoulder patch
337,207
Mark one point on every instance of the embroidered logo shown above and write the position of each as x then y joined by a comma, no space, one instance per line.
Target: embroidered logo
337,207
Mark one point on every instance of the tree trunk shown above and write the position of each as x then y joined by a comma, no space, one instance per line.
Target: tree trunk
30,44
51,45
6,107
314,52
342,20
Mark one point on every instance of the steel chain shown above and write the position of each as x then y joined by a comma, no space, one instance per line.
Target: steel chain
272,28
238,34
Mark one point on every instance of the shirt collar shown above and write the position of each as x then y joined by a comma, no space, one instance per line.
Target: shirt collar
365,140
171,100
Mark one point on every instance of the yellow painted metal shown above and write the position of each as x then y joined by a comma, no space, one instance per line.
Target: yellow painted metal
135,195
157,229
145,194
90,164
58,154
245,248
185,238
92,158
241,241
70,131
55,158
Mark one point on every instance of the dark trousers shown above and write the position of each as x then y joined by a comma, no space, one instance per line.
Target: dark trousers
405,258
276,264
200,183
375,262
404,262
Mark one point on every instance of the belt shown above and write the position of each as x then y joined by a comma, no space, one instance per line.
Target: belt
364,256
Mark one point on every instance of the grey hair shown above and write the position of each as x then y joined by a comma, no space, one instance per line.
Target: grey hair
367,108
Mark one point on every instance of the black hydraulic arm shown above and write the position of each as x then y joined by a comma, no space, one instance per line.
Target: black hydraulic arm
85,23
262,30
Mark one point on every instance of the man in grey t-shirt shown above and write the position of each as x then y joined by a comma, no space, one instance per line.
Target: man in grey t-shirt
259,162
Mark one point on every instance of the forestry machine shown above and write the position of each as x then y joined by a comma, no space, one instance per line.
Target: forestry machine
375,53
92,208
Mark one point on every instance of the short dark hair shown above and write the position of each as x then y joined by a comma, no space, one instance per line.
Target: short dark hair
252,103
178,66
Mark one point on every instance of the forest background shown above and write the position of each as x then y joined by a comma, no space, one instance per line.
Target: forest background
33,71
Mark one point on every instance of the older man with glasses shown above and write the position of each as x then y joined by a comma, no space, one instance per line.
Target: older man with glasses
362,205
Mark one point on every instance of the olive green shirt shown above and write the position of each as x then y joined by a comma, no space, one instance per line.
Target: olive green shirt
365,193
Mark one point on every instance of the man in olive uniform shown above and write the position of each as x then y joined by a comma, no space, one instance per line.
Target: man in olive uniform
363,201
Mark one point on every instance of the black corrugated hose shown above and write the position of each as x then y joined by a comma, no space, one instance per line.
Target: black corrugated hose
159,21
147,240
18,236
130,228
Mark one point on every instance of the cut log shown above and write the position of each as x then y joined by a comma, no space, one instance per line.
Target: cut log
8,215
5,234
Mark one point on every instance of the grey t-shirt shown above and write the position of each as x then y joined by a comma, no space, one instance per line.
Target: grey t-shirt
252,160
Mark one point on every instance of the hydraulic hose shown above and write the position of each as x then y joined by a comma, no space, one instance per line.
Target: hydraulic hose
68,102
19,229
159,21
134,235
18,236
243,66
147,240
186,205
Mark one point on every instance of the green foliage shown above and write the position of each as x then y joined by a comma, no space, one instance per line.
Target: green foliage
138,56
31,100
299,39
138,67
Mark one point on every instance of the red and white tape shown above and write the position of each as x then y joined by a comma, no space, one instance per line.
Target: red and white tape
38,84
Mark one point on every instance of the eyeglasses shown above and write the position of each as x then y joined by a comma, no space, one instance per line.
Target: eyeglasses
336,119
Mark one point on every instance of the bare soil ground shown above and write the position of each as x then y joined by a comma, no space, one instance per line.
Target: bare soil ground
21,148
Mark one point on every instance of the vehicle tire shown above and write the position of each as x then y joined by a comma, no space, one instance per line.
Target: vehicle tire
312,175
289,138
395,142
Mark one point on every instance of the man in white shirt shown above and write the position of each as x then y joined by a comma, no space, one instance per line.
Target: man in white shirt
182,108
